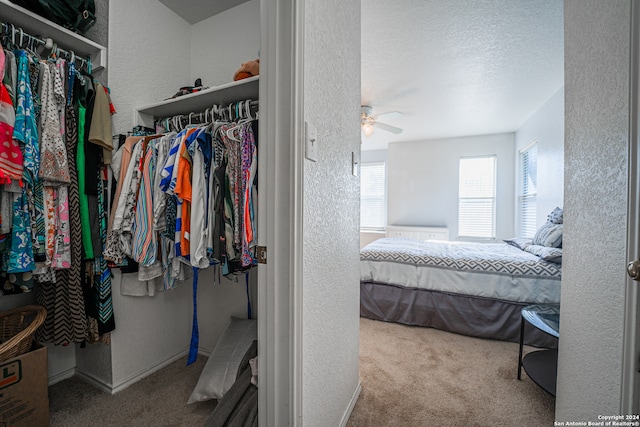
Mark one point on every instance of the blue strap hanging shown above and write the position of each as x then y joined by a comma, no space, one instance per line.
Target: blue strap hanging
248,297
193,347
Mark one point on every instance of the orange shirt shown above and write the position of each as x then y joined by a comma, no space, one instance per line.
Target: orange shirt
184,191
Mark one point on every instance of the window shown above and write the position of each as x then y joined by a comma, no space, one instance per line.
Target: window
527,191
373,201
477,197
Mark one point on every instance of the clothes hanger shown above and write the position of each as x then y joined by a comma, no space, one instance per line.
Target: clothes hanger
231,132
177,123
53,54
13,37
247,109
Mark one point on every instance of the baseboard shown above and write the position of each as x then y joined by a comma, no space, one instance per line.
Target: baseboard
94,381
61,376
352,404
115,388
204,351
148,371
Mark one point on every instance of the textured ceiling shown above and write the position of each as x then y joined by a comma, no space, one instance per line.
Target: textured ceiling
452,67
458,68
194,11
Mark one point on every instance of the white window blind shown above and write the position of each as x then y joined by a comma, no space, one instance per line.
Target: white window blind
373,201
477,197
528,189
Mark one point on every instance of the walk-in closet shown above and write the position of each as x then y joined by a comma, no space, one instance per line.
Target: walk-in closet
165,81
168,68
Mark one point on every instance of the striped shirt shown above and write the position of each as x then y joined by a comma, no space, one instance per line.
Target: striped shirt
145,244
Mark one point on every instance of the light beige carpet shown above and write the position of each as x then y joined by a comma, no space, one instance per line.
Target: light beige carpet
158,400
413,376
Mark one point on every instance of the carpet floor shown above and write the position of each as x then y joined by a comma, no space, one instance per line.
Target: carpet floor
411,377
414,376
158,400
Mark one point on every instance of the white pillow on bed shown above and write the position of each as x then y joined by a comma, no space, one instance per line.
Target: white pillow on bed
221,369
546,253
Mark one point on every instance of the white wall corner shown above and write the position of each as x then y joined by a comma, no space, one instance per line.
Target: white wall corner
352,404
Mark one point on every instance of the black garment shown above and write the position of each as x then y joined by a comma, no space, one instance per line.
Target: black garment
92,152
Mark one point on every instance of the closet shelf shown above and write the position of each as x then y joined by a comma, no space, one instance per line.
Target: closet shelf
199,101
66,39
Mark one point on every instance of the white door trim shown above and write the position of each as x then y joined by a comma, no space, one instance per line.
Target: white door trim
630,381
280,219
297,243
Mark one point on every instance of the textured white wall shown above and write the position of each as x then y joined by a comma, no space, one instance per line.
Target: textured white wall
597,58
372,155
331,305
422,181
220,44
152,330
547,127
149,56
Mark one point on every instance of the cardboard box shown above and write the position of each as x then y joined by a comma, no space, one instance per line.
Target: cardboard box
24,389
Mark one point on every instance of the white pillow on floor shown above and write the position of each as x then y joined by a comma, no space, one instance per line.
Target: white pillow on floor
220,371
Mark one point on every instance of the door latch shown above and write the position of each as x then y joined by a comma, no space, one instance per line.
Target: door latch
633,270
261,254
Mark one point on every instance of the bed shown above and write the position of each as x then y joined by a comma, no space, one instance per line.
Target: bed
475,289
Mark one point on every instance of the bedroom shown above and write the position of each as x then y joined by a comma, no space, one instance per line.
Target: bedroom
512,64
518,100
595,132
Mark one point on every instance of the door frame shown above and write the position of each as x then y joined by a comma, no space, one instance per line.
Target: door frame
280,161
630,381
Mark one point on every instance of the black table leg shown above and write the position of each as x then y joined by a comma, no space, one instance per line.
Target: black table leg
521,345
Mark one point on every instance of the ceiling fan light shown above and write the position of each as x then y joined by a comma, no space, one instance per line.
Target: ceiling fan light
367,129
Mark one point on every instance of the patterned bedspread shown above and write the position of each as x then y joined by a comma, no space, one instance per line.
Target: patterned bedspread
499,258
493,270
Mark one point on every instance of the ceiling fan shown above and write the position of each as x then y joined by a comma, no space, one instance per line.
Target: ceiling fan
368,122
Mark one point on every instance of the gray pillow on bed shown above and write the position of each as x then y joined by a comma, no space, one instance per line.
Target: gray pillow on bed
546,253
556,216
549,235
518,242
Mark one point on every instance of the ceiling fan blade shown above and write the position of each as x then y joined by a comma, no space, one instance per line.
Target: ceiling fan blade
387,127
389,115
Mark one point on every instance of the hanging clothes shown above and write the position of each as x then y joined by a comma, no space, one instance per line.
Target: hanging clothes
189,197
84,89
41,229
54,168
25,130
10,154
66,321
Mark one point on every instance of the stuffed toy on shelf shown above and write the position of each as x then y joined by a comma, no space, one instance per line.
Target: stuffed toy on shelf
247,69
